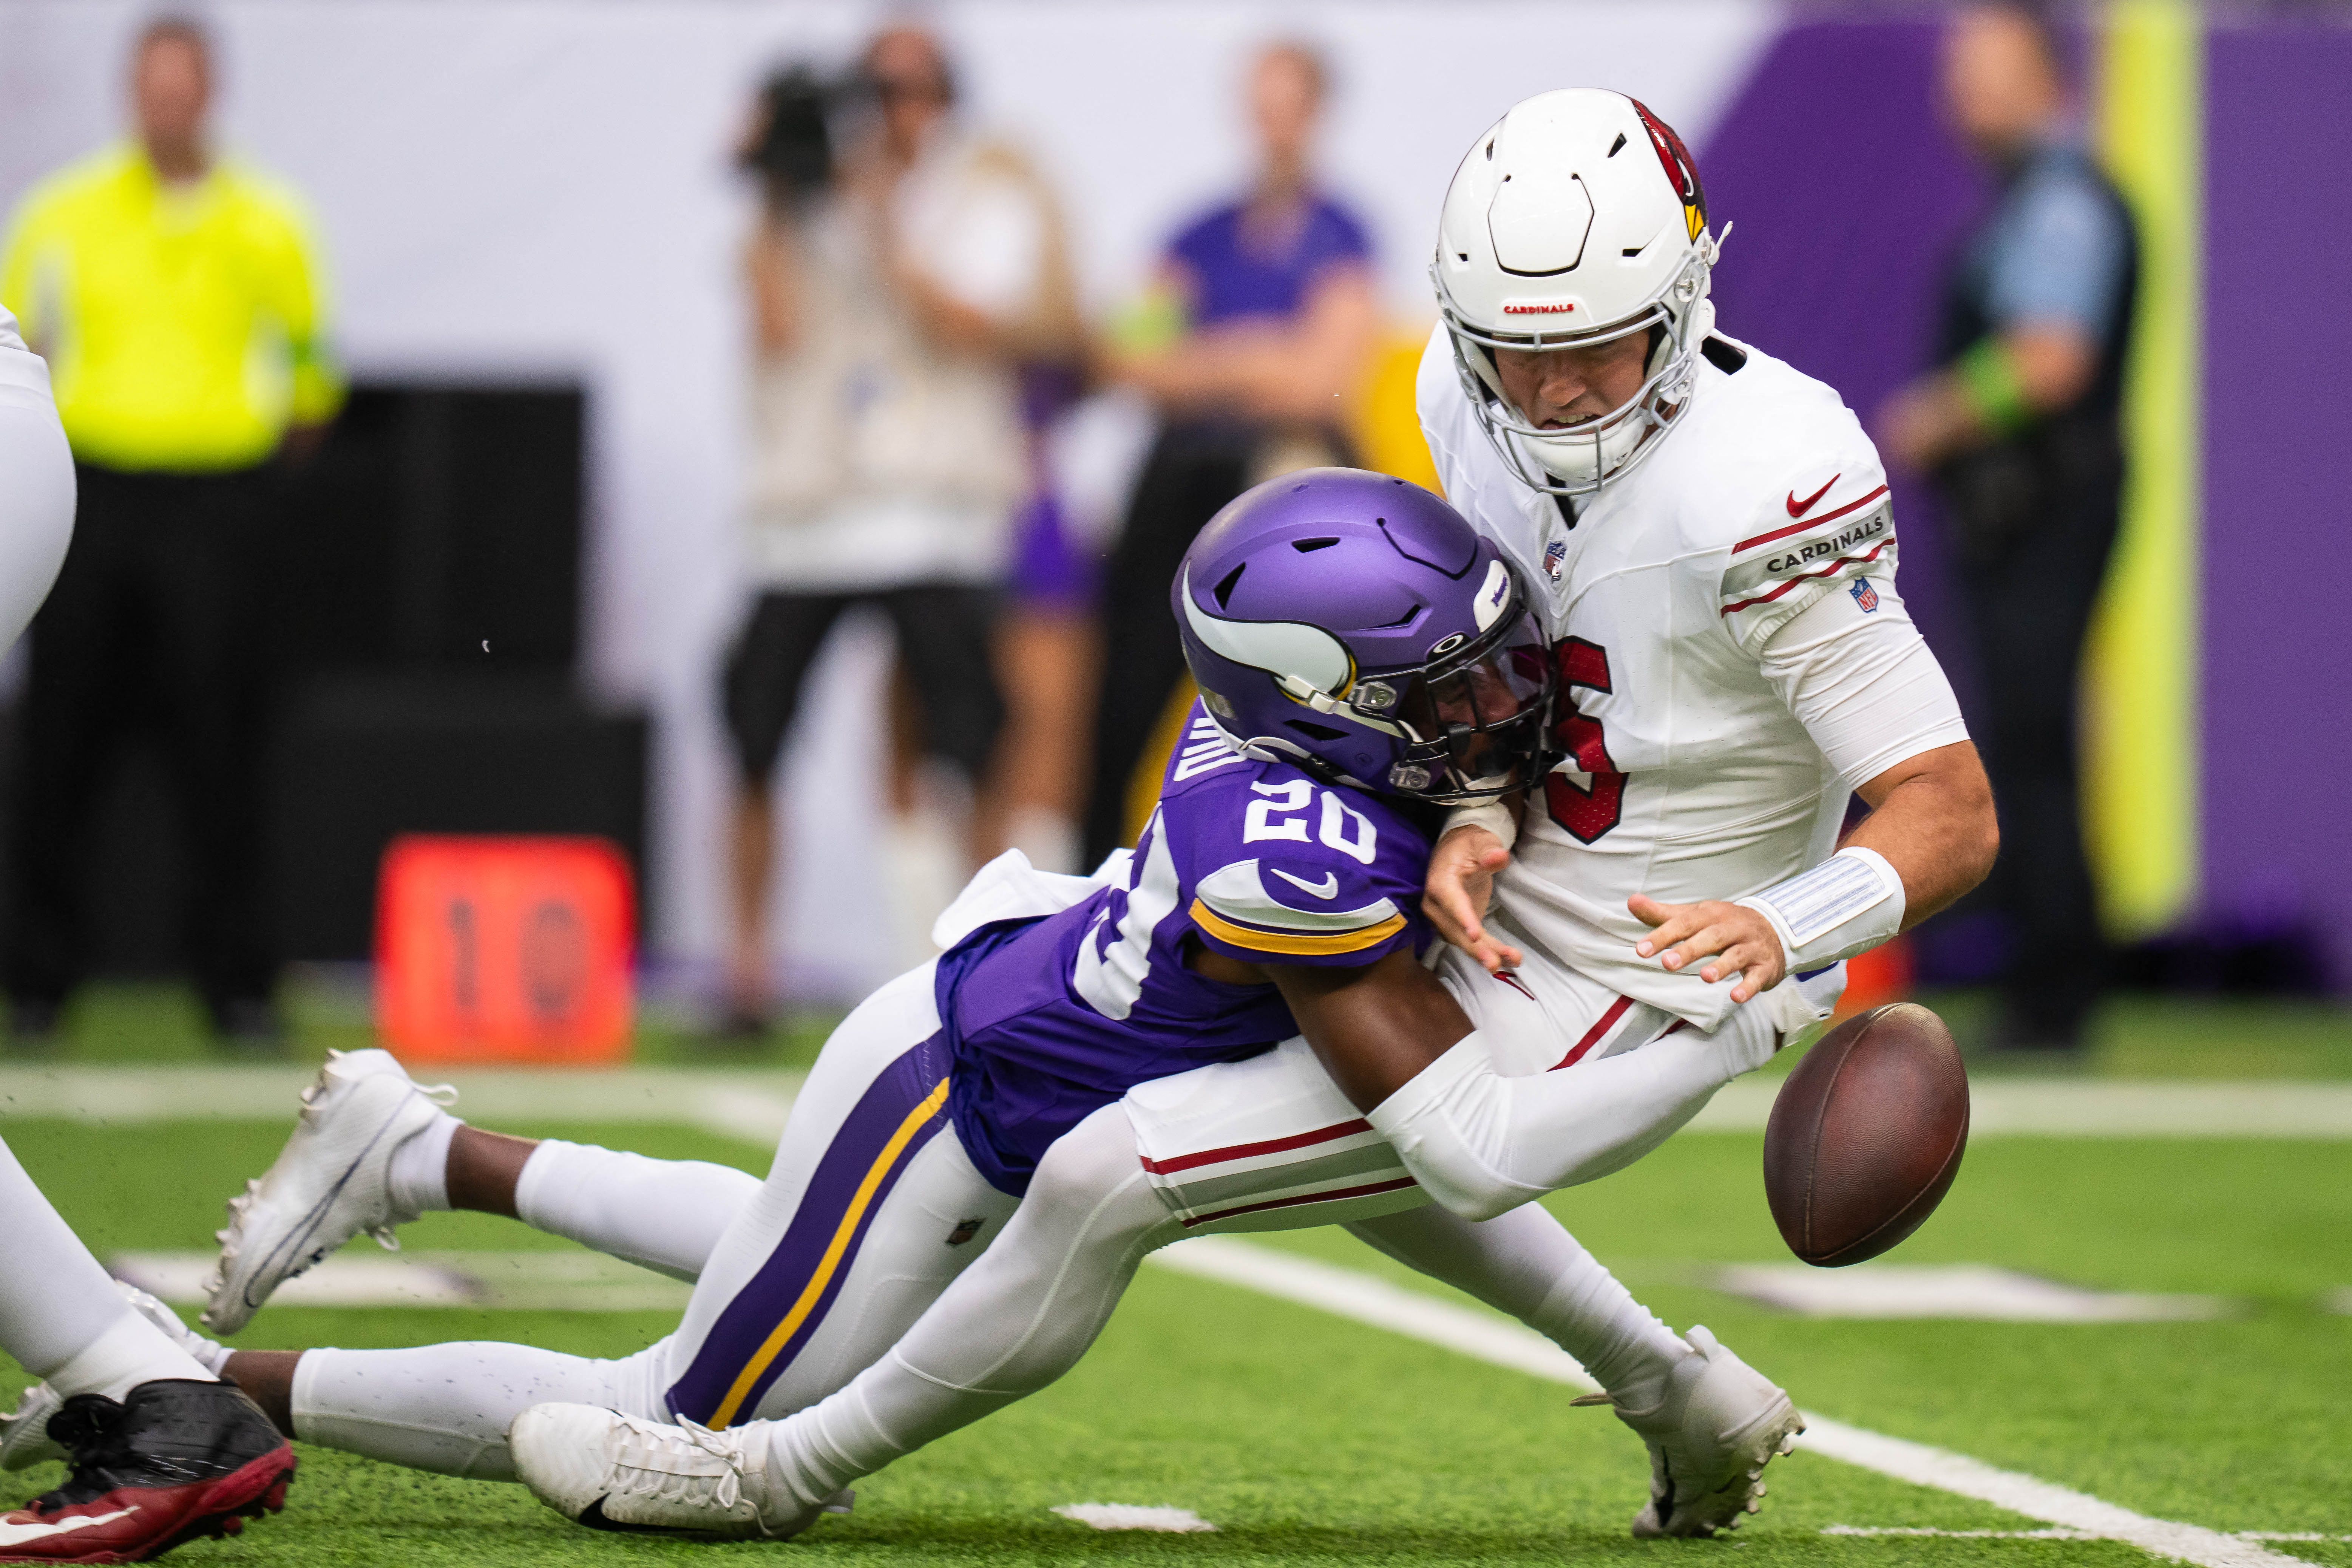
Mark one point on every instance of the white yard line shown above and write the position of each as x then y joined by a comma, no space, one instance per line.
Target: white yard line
1346,1293
1135,1516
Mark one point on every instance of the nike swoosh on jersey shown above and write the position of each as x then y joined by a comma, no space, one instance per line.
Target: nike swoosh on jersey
1800,507
39,1530
1326,888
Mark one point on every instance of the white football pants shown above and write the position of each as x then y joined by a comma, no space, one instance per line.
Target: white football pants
871,1211
60,1315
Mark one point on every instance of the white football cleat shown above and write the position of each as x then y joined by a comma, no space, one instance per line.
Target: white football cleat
610,1471
25,1436
328,1183
1720,1422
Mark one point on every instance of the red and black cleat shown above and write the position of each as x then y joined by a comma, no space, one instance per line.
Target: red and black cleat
177,1460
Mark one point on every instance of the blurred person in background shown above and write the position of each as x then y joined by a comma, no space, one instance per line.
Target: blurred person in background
177,297
2020,427
893,292
1263,316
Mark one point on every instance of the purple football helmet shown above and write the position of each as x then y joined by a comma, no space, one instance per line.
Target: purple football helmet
1354,626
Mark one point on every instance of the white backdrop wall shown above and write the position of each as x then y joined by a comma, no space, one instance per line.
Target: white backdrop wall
521,186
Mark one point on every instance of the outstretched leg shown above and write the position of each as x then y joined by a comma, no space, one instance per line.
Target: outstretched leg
871,1209
1015,1320
373,1149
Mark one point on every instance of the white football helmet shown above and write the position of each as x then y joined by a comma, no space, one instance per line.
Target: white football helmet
1577,219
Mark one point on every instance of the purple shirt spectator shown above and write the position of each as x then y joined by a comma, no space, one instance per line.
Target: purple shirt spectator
1236,273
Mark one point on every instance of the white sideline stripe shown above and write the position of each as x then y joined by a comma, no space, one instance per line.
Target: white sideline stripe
749,1106
2094,1108
753,1105
2049,1534
1135,1516
511,1282
1959,1534
1346,1293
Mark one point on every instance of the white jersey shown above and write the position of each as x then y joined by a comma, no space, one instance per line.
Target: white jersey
20,366
1689,775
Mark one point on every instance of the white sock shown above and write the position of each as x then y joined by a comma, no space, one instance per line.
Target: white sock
128,1352
419,1173
60,1315
666,1214
446,1408
1525,1263
1621,1342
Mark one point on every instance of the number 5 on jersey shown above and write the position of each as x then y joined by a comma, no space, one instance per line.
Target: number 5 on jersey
1585,811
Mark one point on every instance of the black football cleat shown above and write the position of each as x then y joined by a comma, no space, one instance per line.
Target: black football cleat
177,1460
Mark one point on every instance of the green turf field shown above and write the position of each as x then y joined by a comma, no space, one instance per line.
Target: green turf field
1307,1439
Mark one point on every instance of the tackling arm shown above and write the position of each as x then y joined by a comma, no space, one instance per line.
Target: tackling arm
1401,1047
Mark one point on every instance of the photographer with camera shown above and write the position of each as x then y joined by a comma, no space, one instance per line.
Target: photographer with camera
901,266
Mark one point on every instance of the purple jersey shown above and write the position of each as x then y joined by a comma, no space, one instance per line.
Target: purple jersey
1050,1019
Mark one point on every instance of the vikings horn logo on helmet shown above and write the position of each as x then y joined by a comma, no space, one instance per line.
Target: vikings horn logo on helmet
1682,170
1301,658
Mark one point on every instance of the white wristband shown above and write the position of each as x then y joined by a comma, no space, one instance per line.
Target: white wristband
1494,816
1848,904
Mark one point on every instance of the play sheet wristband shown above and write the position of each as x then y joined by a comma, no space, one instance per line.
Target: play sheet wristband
1848,904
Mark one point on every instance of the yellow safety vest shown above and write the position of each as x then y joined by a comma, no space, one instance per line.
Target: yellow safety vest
183,324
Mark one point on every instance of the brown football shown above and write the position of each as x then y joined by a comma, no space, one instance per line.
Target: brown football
1866,1135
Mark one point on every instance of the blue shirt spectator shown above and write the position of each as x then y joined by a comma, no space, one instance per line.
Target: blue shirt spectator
2056,249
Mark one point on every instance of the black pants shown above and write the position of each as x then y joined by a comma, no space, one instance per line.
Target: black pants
2036,525
1193,470
157,620
945,634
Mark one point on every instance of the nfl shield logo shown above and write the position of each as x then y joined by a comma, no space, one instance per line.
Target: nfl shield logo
1864,595
1554,554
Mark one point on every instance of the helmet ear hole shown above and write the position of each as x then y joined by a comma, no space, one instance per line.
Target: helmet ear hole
1315,731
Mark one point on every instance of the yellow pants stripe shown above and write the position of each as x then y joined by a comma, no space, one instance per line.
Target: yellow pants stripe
835,1251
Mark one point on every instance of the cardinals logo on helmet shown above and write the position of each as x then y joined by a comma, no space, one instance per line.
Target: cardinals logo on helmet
1681,171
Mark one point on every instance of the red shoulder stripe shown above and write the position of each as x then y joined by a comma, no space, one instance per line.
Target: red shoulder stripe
1809,522
1841,561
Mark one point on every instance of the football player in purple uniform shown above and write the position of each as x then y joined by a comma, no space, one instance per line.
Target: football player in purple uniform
1364,657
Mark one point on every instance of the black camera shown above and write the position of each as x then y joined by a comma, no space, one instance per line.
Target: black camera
793,148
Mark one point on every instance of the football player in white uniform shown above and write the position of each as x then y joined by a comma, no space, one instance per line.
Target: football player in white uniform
1717,536
1713,534
160,1450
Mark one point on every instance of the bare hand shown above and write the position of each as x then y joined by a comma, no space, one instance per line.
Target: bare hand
1736,938
1460,881
1915,427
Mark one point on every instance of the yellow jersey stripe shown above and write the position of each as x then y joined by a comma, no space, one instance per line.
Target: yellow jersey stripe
1362,937
742,1388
